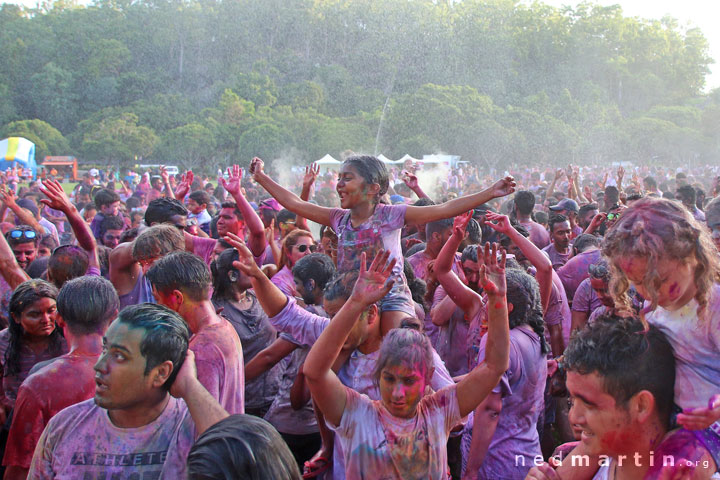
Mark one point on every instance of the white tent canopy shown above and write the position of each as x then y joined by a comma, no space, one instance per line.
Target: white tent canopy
384,159
405,158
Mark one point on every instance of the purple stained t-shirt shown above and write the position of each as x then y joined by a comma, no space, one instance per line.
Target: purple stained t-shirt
522,388
576,270
538,234
585,300
558,259
558,311
381,231
285,281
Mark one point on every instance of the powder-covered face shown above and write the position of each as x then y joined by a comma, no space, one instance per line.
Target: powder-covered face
607,428
401,388
677,282
351,187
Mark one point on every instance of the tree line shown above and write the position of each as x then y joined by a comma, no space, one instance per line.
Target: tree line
204,83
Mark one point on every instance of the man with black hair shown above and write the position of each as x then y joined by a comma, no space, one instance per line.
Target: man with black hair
134,427
111,229
311,273
436,234
570,209
85,308
166,210
181,281
417,231
585,215
286,222
524,202
621,380
230,220
586,252
688,196
108,205
560,231
611,198
651,187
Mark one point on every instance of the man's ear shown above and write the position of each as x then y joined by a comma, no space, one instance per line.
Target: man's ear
60,321
372,314
160,374
642,406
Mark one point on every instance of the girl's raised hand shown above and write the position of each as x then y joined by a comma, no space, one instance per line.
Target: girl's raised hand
311,174
245,262
499,223
504,186
461,222
372,283
492,271
256,168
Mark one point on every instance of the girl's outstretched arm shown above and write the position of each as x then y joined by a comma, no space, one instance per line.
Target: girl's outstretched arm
502,187
482,379
287,199
327,391
468,300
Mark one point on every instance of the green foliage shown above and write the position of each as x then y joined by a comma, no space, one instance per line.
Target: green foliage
47,139
494,81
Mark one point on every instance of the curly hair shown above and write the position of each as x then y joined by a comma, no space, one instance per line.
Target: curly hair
524,294
656,229
24,296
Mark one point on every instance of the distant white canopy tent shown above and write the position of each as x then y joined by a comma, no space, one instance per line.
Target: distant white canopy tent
384,159
405,158
328,163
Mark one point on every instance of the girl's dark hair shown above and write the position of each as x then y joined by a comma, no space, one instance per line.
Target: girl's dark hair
524,294
371,170
220,268
417,286
24,296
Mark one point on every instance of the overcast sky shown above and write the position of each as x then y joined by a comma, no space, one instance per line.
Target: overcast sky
696,13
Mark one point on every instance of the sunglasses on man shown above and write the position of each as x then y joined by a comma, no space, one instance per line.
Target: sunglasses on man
29,234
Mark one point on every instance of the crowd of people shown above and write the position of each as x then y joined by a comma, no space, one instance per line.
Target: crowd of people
550,324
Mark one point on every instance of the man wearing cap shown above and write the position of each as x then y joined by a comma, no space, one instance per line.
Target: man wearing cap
569,208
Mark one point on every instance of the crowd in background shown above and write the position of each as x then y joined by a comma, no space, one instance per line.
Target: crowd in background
424,322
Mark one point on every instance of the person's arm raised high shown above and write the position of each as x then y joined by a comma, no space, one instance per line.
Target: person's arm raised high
24,216
9,268
482,379
328,392
271,298
288,199
58,200
311,173
501,224
464,297
256,239
430,213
